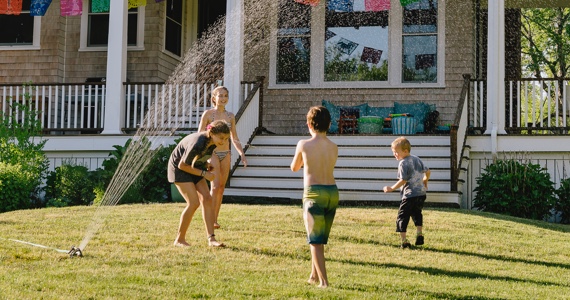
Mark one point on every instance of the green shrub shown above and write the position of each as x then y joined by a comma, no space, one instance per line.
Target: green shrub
151,185
69,184
563,201
15,187
512,188
21,145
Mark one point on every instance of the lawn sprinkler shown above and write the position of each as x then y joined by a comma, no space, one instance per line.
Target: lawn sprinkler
75,251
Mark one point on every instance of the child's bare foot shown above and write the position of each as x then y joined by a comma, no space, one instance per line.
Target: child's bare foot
312,280
323,286
216,225
213,243
181,244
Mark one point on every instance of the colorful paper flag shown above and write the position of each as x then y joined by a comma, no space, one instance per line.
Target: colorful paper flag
371,55
406,2
340,5
345,46
308,2
71,7
38,8
376,5
100,6
10,7
136,3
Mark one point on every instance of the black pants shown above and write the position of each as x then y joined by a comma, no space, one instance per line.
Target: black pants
411,207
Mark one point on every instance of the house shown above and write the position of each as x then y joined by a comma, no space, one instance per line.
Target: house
345,51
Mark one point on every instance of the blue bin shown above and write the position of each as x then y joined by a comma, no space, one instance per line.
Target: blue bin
404,125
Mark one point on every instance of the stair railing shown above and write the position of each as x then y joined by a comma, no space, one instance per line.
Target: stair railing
458,133
249,118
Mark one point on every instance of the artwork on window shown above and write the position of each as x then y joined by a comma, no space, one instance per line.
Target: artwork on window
371,55
424,61
377,5
71,7
345,46
329,34
39,7
10,7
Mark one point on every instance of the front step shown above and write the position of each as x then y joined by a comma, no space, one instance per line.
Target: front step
364,166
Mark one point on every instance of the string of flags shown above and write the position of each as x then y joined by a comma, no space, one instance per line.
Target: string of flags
38,8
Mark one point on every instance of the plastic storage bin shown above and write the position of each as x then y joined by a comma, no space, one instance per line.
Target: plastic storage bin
370,125
404,125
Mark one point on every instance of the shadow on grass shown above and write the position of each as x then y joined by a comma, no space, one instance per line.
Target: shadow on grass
537,223
305,255
457,252
379,289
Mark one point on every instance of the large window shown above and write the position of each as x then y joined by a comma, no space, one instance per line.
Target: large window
173,34
95,28
358,43
21,31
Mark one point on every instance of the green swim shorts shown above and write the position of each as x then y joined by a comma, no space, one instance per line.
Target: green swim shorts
319,208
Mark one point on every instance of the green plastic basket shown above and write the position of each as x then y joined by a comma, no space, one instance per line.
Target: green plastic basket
370,125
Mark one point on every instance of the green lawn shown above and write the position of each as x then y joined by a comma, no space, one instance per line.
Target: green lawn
468,255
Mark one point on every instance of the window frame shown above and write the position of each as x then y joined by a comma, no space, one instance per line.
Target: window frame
395,53
36,36
85,29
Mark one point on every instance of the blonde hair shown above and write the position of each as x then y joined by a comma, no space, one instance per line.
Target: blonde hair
216,91
403,143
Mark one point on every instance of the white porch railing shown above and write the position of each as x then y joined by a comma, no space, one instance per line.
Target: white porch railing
532,106
74,108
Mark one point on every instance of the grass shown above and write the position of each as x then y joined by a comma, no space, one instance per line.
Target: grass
468,255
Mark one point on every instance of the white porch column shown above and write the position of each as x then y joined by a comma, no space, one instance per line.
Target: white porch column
233,57
496,69
116,68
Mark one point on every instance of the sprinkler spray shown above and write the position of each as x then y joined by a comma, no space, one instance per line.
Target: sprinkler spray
75,251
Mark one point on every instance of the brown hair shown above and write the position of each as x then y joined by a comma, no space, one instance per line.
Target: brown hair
319,118
218,127
403,143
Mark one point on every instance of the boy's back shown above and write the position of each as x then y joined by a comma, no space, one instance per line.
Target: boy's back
319,158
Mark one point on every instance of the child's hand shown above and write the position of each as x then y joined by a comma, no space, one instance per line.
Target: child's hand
426,183
209,176
387,189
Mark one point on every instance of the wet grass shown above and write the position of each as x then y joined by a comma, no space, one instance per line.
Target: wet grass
468,255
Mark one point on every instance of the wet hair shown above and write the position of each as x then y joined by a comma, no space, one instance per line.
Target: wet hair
319,118
218,127
217,90
403,143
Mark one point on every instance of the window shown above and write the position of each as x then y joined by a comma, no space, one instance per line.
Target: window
173,33
24,29
95,28
358,43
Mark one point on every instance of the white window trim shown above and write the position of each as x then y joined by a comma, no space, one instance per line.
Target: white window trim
394,55
36,41
85,23
189,15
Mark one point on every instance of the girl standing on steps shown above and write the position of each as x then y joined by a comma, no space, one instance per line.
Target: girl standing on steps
220,161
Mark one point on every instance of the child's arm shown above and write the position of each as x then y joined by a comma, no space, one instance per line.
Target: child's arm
427,174
236,142
396,186
297,162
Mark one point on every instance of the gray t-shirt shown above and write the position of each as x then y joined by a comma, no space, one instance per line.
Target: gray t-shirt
412,169
191,146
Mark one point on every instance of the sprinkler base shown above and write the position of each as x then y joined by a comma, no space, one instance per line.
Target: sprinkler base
75,251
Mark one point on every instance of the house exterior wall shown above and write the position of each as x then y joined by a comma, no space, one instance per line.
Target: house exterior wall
284,109
59,59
